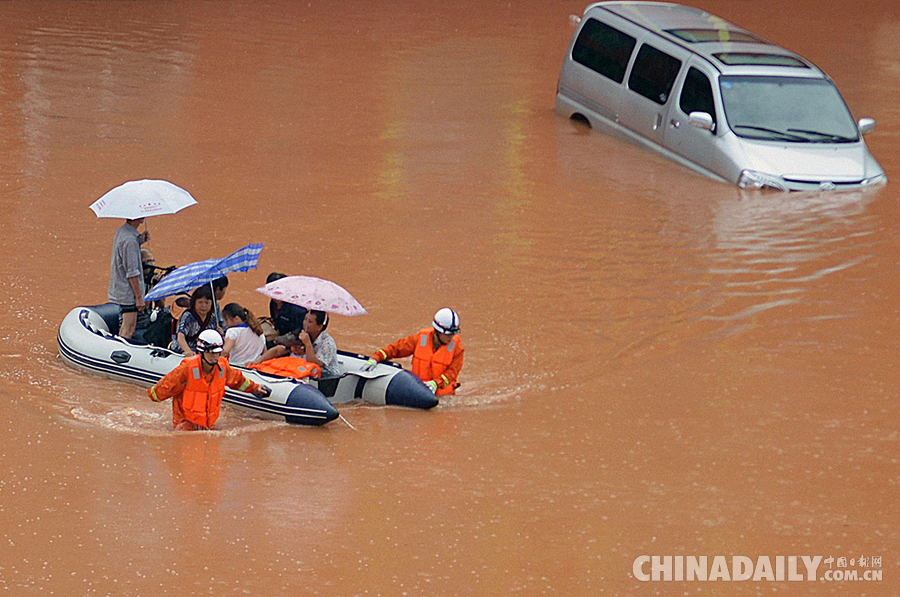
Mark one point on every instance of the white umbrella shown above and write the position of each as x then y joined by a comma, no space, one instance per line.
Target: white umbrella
141,198
315,294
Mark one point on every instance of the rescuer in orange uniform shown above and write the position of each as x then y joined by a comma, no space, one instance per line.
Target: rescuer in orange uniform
437,353
197,385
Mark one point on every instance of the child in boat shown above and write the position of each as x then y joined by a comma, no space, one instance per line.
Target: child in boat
244,337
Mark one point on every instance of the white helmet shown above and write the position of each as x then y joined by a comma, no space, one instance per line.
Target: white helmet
446,321
209,341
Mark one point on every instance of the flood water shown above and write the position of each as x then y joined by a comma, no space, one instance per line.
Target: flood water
656,363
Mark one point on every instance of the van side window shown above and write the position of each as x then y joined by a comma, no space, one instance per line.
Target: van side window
603,49
653,74
696,94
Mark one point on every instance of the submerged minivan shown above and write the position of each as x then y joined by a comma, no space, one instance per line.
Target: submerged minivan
714,97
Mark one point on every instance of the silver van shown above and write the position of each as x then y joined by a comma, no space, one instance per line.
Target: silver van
714,97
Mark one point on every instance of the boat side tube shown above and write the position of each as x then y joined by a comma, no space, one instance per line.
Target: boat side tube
405,389
386,384
300,403
314,408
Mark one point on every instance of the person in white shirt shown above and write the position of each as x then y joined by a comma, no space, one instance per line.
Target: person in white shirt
245,340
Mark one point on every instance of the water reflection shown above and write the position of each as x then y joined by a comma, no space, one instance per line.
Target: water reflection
109,80
772,249
663,261
195,469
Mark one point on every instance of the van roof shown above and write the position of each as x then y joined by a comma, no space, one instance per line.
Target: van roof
732,49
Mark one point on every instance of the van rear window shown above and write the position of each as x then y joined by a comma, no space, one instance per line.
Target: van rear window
603,49
714,35
750,59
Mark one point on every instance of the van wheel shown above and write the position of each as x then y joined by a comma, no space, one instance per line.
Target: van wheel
580,120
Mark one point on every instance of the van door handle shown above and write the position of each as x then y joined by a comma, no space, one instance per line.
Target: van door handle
674,123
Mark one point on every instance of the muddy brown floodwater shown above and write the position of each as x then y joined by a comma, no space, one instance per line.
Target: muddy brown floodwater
657,364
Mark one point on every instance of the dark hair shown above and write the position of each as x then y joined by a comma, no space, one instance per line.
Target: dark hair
274,276
220,283
199,293
321,318
238,312
234,310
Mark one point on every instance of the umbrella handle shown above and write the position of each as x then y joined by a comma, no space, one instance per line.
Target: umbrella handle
215,304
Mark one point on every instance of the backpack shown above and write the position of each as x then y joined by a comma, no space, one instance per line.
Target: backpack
159,333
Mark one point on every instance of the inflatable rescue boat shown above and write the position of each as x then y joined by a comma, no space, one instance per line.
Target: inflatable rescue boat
88,342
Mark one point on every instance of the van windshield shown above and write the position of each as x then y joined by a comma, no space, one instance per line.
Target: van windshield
791,109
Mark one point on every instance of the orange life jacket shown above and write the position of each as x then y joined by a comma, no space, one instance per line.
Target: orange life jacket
428,364
201,400
288,367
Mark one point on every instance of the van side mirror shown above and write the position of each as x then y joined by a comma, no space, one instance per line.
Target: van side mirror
866,125
701,120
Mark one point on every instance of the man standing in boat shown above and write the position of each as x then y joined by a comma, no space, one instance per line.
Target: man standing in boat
197,385
437,353
126,274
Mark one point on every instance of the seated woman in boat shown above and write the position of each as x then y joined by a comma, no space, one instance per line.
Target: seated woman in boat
313,343
193,321
244,338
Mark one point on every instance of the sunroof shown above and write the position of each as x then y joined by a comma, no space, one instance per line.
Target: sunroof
751,59
715,35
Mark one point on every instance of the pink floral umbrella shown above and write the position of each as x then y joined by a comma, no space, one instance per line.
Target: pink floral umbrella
313,293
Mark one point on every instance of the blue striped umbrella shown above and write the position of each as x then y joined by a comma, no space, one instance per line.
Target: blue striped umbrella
193,275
